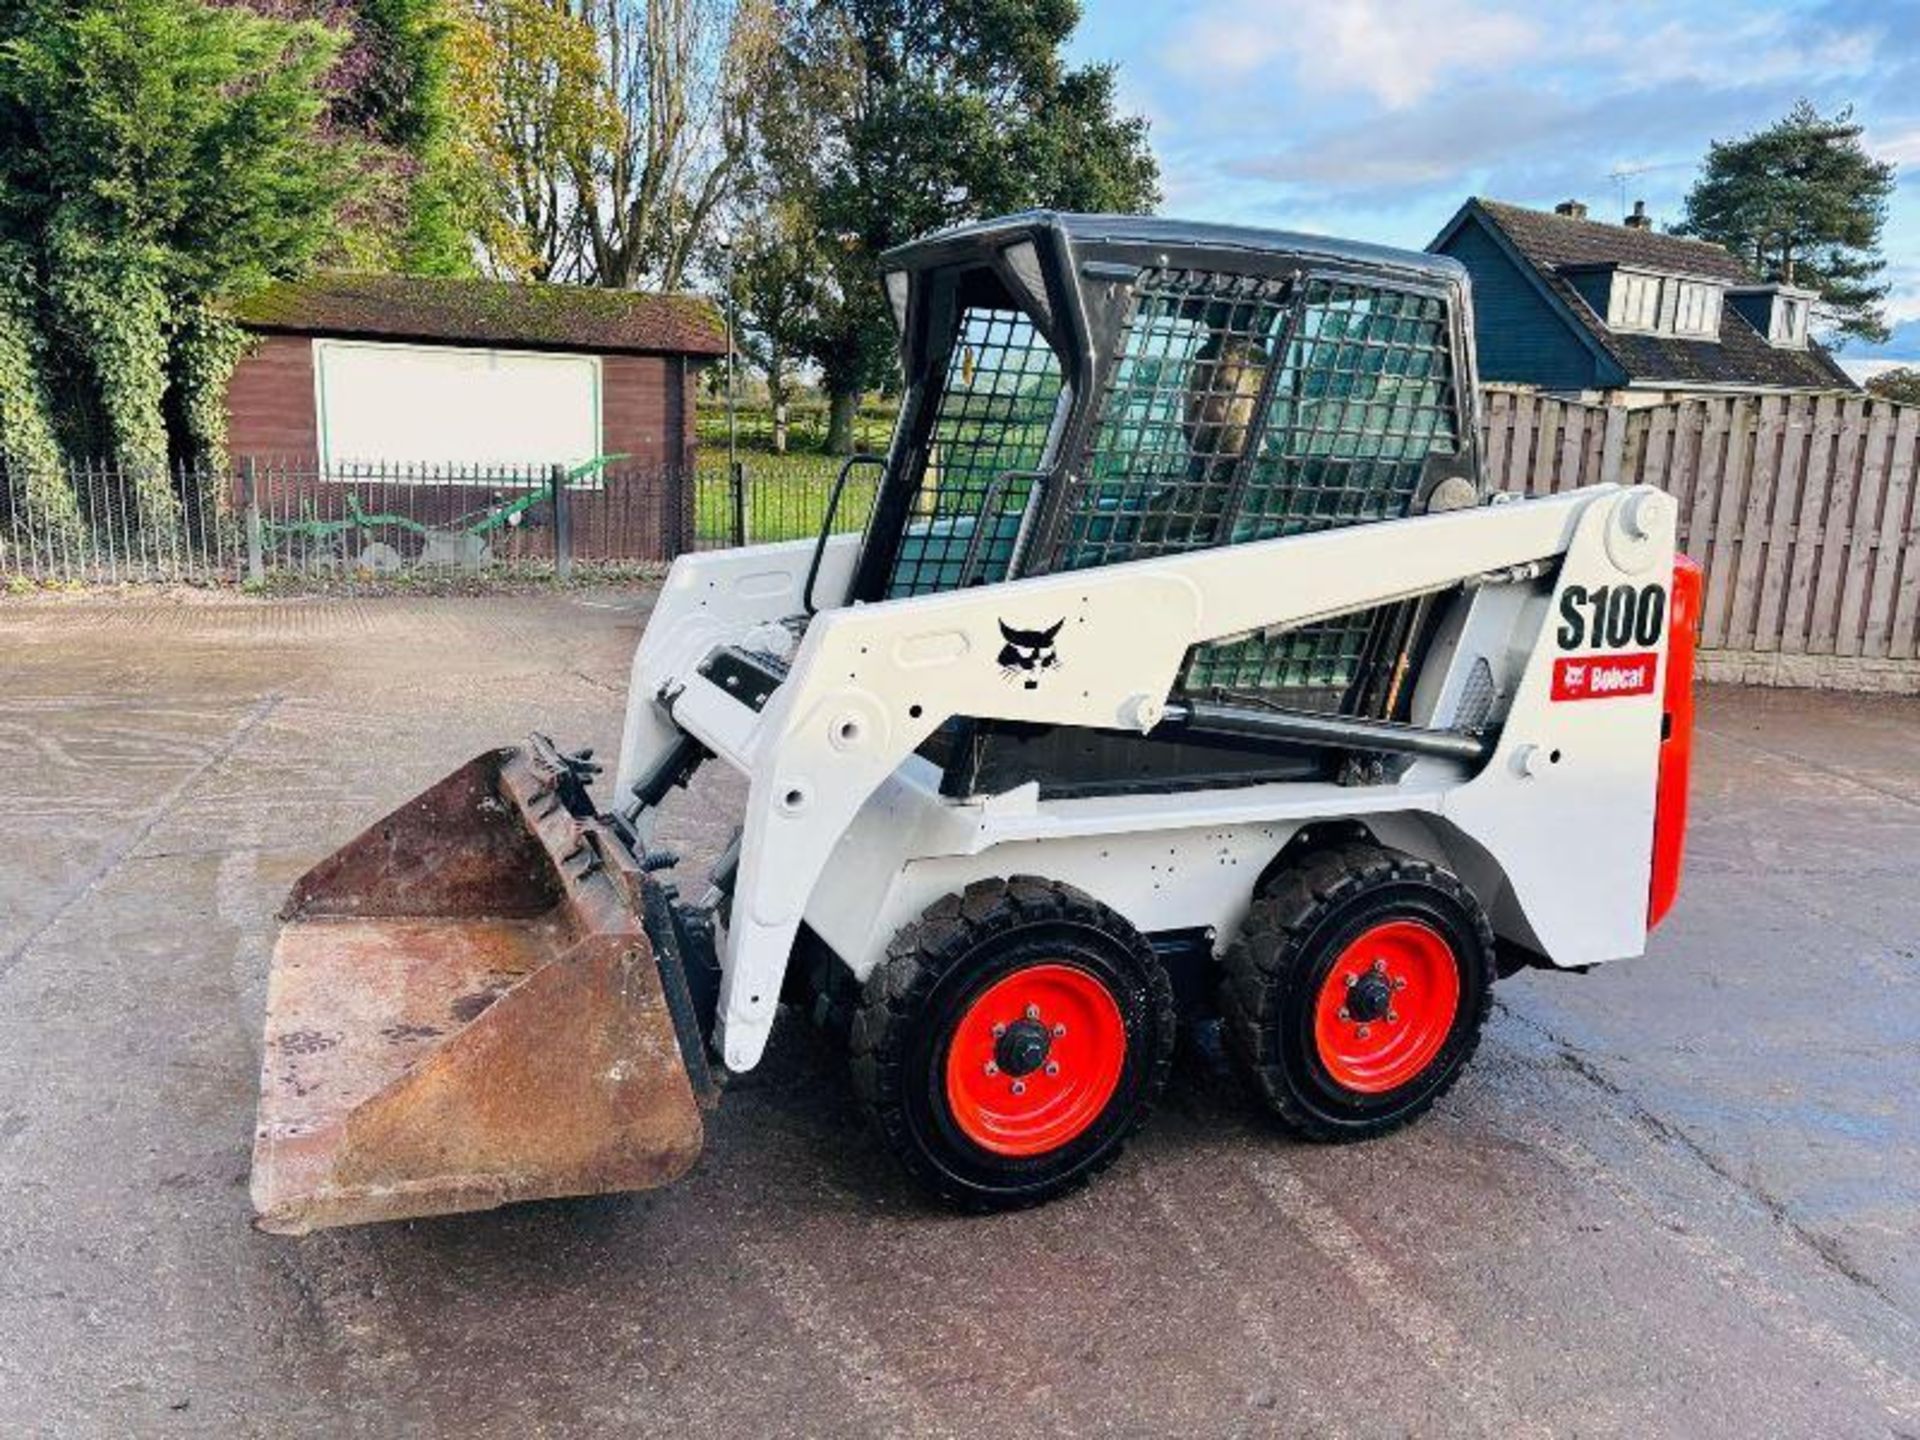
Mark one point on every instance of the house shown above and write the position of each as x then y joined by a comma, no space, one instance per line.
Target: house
1621,314
356,370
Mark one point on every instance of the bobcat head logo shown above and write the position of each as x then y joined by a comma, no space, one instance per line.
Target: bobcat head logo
1027,653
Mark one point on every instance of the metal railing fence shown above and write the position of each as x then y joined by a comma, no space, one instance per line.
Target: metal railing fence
260,518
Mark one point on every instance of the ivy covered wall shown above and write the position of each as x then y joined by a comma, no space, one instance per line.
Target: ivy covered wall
160,160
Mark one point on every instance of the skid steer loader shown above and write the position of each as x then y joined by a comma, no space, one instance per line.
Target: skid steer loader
1183,666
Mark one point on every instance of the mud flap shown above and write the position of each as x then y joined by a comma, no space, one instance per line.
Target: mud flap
465,1011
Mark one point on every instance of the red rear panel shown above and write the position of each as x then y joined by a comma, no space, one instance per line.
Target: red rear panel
1676,740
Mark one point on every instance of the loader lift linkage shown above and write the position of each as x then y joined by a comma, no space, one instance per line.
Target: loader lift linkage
1183,666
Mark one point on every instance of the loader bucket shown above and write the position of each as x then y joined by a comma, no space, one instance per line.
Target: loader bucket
465,1010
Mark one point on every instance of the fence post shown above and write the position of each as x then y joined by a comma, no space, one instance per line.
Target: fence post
250,499
737,485
562,524
676,495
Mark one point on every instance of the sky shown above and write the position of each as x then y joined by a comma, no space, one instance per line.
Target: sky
1375,119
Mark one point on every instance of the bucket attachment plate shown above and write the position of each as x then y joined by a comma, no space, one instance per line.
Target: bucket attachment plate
465,1011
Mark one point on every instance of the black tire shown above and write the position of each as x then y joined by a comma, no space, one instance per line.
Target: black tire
915,1002
1303,919
820,986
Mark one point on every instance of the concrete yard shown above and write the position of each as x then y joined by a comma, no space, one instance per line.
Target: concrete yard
1678,1196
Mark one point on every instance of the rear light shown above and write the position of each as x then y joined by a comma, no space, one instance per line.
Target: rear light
1676,740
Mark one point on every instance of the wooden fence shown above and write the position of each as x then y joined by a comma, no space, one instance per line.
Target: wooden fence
1803,511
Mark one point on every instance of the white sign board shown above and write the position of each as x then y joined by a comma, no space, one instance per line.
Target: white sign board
438,405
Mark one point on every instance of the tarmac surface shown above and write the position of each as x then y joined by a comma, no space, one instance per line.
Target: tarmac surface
1677,1196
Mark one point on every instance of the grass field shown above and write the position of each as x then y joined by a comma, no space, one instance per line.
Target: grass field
786,497
786,494
806,427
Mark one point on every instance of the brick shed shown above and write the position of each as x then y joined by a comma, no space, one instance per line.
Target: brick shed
351,369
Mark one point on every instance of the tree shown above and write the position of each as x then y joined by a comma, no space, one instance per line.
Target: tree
1902,386
607,133
678,74
405,106
1804,204
29,449
389,89
775,268
922,116
536,110
161,156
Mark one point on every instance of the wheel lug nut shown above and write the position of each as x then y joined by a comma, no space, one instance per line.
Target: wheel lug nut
1345,1014
1019,1087
1033,1012
1363,1032
1399,982
998,1031
1380,967
1352,980
992,1069
1053,1067
1058,1031
1393,1016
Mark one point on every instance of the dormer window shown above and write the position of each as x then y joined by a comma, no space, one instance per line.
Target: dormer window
1643,302
1790,318
1782,313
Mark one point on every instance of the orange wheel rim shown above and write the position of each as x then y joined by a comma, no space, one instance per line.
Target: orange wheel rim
1034,1060
1387,1007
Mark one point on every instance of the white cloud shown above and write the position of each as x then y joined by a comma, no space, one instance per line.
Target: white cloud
1754,48
1864,370
1397,51
1900,146
1903,301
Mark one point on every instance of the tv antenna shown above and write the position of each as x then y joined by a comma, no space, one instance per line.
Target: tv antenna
1624,173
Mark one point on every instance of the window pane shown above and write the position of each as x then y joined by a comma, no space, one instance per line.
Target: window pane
1178,414
1637,301
1365,396
997,403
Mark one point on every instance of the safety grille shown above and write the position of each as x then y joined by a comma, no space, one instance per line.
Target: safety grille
1203,441
1311,667
1365,396
1476,697
1181,405
997,403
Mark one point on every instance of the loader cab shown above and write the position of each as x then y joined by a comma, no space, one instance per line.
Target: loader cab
1090,390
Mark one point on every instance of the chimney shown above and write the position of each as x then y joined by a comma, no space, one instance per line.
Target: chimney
1572,209
1639,219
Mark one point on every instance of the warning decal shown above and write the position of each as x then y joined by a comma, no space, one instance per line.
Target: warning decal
1603,677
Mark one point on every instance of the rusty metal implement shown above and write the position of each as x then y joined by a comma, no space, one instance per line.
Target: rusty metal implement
465,1011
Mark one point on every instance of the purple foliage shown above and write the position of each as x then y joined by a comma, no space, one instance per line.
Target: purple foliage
360,64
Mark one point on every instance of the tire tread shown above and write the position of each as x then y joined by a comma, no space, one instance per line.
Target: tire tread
922,954
1279,923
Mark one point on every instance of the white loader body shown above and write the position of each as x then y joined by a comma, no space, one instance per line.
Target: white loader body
846,830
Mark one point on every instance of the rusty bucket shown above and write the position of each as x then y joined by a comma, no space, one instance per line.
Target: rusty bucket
465,1011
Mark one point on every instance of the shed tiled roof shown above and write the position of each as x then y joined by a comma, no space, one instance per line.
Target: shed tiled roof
1554,244
486,312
